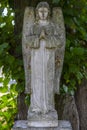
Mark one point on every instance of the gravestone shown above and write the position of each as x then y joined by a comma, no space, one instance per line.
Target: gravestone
43,46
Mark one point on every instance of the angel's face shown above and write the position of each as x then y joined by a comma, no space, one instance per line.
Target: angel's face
43,13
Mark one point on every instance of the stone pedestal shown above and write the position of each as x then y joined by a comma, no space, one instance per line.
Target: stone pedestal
23,125
43,120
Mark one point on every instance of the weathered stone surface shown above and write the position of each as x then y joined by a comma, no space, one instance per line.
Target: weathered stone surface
29,21
43,45
23,125
48,124
49,119
43,36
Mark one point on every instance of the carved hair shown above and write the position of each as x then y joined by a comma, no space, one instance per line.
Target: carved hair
42,4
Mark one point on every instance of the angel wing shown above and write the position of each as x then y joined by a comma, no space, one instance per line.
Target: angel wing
58,20
27,23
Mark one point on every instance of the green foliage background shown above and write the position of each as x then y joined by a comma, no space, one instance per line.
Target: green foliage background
75,65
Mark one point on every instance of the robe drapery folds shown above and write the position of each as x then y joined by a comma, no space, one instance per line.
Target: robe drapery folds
55,37
42,66
52,39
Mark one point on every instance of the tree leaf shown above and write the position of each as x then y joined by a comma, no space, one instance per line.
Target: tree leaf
65,88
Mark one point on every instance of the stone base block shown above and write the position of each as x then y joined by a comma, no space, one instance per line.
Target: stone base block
23,125
43,123
43,120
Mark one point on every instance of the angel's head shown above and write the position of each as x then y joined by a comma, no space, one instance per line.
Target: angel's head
42,11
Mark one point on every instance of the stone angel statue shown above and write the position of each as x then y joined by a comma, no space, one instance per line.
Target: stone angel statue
43,46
